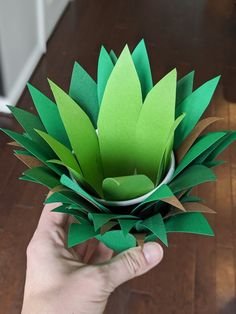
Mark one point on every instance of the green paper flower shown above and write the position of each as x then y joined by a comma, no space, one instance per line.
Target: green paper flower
112,141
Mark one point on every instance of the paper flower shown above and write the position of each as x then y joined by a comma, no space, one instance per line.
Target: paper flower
106,144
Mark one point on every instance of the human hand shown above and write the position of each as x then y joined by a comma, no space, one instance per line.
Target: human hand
79,280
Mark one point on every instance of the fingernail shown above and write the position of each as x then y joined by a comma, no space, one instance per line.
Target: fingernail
153,252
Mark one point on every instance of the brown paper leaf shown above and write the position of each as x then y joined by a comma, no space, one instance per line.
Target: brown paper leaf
14,144
108,226
140,237
188,142
191,207
29,161
173,200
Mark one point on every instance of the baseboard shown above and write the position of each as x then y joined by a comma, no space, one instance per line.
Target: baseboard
23,78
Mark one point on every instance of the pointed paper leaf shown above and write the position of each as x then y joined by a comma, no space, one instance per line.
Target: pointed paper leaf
62,151
82,136
189,223
79,233
116,240
33,148
184,87
83,90
118,116
29,122
214,163
105,67
198,207
194,134
101,219
113,57
44,176
156,225
202,145
29,161
126,225
192,176
157,115
194,106
75,213
141,62
78,189
223,145
126,187
49,115
190,198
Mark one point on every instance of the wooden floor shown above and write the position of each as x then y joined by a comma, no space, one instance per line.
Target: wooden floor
198,274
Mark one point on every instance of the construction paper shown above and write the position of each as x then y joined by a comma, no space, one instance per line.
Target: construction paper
197,207
127,224
116,240
126,187
189,223
14,144
75,187
156,225
113,57
194,134
43,176
108,226
118,116
75,213
65,197
157,113
184,87
192,176
194,106
25,178
32,147
230,138
105,67
29,122
142,65
82,136
83,90
79,233
140,238
22,152
214,163
190,198
29,161
62,151
49,115
202,145
101,219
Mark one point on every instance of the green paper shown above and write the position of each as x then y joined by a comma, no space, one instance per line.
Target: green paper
161,193
62,151
79,233
127,224
194,106
75,187
157,115
141,62
156,225
226,141
192,176
75,213
202,145
43,176
126,187
189,223
214,163
25,178
39,152
105,67
100,220
113,57
49,115
118,116
22,152
184,87
116,240
190,198
83,90
82,136
29,122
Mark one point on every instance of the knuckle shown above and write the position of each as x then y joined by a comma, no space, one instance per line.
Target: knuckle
134,262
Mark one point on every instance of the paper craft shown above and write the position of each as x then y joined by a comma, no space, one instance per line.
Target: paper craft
122,154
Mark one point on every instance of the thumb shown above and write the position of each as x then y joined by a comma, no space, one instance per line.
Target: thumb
133,262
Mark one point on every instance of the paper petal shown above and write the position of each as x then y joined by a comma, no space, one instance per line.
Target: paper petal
127,224
113,56
184,87
29,161
43,176
83,89
79,233
101,219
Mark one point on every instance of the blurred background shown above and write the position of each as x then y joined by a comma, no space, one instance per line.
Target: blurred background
43,38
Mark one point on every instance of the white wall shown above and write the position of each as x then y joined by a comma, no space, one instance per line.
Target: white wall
25,26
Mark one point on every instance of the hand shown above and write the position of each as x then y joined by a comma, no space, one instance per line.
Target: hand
61,280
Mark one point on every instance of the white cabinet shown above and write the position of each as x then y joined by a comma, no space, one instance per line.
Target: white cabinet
25,25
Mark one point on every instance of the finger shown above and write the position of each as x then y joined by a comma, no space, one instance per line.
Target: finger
50,219
132,263
101,254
